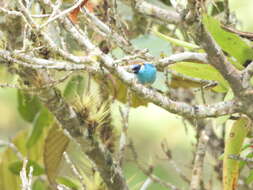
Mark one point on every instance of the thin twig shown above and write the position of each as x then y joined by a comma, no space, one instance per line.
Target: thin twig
215,55
16,13
41,16
151,94
69,119
44,37
118,39
51,84
62,13
202,82
184,109
227,12
197,171
184,56
146,184
238,157
39,63
13,147
148,172
6,85
167,152
130,58
26,180
167,16
203,95
62,187
123,137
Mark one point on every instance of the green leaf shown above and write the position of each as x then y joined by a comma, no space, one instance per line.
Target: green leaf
16,167
249,179
9,180
119,91
43,119
67,182
28,106
249,155
75,87
55,144
217,8
233,146
229,42
176,42
201,71
246,146
38,184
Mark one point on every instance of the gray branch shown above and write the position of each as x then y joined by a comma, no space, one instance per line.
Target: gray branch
167,16
198,111
197,171
184,56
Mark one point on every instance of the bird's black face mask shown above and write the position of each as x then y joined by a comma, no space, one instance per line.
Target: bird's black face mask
136,69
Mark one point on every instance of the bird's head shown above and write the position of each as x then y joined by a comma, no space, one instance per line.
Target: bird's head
146,72
136,68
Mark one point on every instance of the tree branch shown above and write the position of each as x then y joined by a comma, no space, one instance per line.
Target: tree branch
239,158
146,184
45,38
70,121
197,171
148,172
167,16
184,56
39,63
215,55
180,108
63,13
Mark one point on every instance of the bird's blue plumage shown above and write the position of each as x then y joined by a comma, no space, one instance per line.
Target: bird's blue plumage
146,73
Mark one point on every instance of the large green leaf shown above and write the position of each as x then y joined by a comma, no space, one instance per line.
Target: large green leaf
9,180
67,182
229,42
201,71
43,119
176,42
28,106
16,167
233,146
55,144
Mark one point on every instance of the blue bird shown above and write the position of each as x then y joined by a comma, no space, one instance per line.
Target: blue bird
146,73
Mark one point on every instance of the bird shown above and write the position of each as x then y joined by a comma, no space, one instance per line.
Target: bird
146,72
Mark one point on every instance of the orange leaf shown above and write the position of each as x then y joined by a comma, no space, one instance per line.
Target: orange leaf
89,6
73,14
